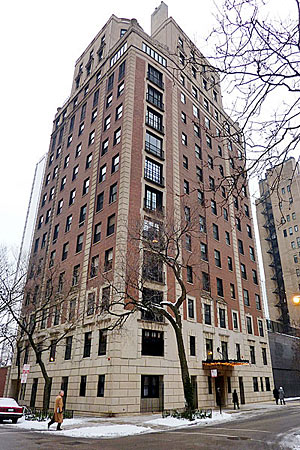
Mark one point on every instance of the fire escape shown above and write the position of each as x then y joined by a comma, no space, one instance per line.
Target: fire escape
275,265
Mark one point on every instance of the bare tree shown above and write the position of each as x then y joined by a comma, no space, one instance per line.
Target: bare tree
154,252
28,309
257,58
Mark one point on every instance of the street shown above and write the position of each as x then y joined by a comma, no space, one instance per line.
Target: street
259,431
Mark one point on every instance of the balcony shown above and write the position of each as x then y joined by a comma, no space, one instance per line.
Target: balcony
155,101
155,123
150,176
154,274
156,80
154,208
154,150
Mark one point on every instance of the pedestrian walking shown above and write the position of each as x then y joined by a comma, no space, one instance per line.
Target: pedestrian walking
58,411
276,394
235,399
281,395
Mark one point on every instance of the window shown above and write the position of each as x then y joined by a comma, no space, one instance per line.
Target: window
203,250
260,327
115,163
222,318
217,258
105,298
246,297
240,247
87,344
238,351
117,136
75,172
232,290
185,162
110,82
254,276
122,65
202,223
205,281
196,112
86,186
220,290
153,199
199,173
154,120
200,195
227,237
72,197
209,349
182,97
183,117
100,386
194,92
70,138
235,322
225,214
215,230
230,265
44,239
186,187
102,174
75,277
257,302
188,242
152,343
252,354
150,386
82,214
66,161
198,152
94,116
55,232
192,346
206,104
119,112
63,183
249,325
224,350
243,271
72,307
249,231
107,123
207,122
68,347
268,387
80,131
238,224
52,350
88,162
79,243
111,224
65,251
210,162
191,308
255,384
102,342
68,223
184,138
246,209
82,387
120,89
108,259
213,207
207,314
90,304
189,274
100,199
92,137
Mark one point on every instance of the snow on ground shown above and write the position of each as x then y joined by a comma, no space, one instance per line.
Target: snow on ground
43,425
173,422
291,440
105,431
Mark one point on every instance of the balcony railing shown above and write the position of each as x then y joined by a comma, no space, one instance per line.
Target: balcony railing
154,150
156,275
154,123
151,207
156,80
151,177
154,101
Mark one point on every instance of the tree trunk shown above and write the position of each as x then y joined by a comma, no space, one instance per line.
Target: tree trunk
47,387
186,380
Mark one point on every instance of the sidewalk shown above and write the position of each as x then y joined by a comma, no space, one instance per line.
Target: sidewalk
101,427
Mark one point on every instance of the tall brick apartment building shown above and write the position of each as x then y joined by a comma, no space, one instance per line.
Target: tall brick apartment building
140,131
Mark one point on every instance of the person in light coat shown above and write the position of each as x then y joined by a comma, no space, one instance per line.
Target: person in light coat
58,411
281,395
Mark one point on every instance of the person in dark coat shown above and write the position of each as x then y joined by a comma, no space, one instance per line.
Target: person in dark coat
281,395
58,411
276,395
235,399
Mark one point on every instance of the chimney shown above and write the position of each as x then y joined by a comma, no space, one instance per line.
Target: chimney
159,16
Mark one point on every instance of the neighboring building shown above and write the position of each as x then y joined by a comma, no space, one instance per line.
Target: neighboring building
278,215
141,131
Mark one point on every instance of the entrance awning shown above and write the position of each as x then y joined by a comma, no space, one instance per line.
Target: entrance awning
223,363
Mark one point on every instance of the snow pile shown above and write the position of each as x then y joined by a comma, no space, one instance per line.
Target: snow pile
173,422
43,425
105,431
291,441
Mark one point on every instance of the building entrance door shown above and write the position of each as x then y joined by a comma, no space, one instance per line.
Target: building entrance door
242,393
220,390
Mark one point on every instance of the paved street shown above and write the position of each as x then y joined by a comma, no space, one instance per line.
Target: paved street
259,432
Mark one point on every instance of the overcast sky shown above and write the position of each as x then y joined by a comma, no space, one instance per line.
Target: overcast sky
40,42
